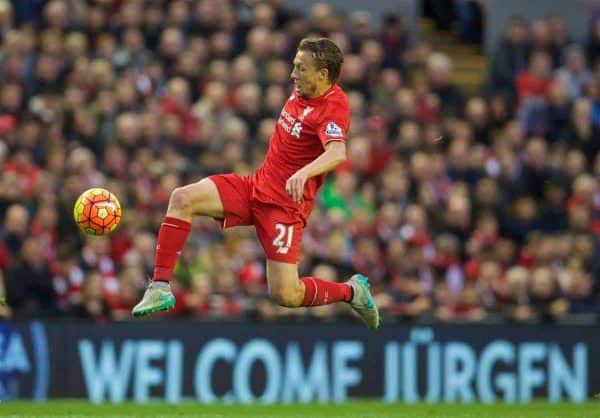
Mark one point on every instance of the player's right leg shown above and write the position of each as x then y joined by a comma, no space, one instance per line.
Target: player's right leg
197,199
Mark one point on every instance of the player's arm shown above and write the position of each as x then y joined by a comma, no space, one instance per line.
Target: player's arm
334,155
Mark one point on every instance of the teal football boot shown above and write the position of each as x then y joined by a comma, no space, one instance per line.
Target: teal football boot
363,302
158,297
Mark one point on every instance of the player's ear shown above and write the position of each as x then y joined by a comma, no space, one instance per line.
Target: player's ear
324,73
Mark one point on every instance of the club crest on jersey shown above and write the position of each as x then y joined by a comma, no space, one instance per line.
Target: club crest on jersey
333,130
305,113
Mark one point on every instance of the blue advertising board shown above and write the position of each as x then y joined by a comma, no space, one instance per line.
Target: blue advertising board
227,362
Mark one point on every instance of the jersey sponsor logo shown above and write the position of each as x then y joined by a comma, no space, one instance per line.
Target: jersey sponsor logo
333,130
288,123
293,124
297,129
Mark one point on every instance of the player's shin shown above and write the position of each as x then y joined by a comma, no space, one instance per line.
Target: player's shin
323,292
172,236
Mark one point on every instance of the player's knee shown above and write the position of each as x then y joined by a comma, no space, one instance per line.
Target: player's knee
180,200
290,298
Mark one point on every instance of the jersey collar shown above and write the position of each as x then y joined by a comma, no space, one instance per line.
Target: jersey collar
315,99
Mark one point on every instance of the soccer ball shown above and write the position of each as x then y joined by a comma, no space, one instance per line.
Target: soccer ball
97,211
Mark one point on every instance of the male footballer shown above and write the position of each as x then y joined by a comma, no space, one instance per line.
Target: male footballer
309,141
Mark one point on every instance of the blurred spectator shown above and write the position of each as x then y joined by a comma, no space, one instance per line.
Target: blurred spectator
439,69
534,83
30,288
14,231
580,294
559,37
544,296
517,279
177,102
574,72
557,113
92,304
510,58
393,39
581,133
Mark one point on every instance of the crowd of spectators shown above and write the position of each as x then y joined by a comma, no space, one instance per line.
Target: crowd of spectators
457,208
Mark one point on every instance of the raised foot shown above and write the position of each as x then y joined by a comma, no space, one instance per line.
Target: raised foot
363,302
157,297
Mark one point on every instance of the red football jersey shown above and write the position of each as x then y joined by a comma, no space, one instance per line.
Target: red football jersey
302,130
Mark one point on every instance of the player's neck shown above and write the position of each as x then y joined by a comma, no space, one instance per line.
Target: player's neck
320,90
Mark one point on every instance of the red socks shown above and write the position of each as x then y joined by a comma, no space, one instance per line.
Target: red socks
172,235
322,292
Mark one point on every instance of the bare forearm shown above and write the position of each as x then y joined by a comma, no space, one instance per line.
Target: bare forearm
334,155
330,159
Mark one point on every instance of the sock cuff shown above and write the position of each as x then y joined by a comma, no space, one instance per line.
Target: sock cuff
310,291
177,223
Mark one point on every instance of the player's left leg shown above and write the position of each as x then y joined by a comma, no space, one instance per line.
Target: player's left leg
287,289
280,235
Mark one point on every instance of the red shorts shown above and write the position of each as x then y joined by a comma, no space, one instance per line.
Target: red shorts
279,230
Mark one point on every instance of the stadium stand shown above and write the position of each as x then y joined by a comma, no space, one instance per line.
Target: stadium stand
461,205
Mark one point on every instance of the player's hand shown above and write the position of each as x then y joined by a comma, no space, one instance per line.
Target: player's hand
295,186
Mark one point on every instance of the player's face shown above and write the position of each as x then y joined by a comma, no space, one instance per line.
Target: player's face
309,81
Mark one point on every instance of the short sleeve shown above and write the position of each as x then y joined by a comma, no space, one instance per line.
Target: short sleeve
334,122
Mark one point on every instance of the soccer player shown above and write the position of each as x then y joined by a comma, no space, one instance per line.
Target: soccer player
309,141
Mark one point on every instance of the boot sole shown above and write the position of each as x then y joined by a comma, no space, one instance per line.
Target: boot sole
169,304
